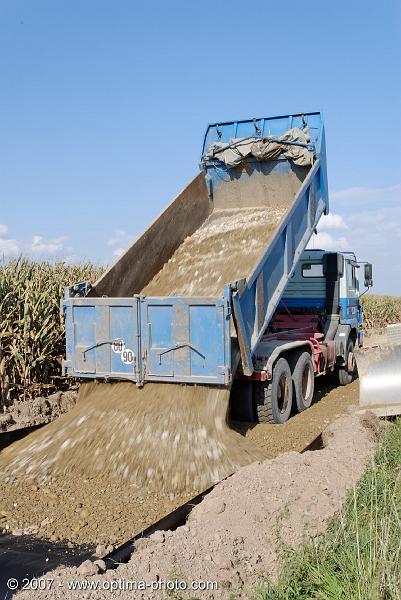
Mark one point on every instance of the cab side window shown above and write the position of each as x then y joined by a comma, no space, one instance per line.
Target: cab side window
355,282
352,279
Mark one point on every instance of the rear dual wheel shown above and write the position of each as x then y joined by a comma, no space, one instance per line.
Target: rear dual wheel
274,399
303,377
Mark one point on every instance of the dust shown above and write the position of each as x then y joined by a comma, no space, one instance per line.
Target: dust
224,249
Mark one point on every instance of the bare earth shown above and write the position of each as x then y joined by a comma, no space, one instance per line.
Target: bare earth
37,411
233,536
303,428
76,505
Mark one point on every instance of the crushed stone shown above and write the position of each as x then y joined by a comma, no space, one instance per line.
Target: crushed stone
148,449
224,249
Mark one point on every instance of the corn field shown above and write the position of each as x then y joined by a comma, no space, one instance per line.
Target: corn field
31,329
379,311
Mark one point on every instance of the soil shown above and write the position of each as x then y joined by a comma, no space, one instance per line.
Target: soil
304,428
37,411
374,337
86,505
119,460
224,249
235,536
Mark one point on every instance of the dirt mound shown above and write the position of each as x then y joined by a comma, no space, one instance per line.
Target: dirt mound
145,450
234,536
35,411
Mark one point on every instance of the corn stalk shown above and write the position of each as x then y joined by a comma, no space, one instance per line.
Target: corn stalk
31,329
379,311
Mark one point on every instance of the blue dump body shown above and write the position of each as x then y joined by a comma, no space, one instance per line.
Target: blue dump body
113,331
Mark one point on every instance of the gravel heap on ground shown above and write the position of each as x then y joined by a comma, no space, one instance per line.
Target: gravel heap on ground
233,535
36,411
118,460
225,248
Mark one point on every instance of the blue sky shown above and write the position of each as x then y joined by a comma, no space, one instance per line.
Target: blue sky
93,94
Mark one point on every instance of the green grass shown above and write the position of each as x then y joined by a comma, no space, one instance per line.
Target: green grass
359,556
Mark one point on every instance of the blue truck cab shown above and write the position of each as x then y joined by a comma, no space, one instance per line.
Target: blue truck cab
307,288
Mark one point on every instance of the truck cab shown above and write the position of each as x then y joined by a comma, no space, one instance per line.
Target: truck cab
308,290
316,326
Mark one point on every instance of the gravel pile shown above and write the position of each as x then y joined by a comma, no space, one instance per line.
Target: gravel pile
124,457
119,460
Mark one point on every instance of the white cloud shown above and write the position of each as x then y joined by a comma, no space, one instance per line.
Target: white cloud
377,239
330,241
9,247
373,215
119,236
37,246
40,245
331,221
72,259
120,241
354,197
327,241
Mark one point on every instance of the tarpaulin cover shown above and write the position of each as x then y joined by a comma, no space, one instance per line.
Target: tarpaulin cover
236,150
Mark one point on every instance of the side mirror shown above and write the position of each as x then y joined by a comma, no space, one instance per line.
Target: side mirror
368,275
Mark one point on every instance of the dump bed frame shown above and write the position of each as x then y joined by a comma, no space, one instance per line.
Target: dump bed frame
114,332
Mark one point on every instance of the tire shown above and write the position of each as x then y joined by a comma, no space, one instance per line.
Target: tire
346,374
303,376
273,399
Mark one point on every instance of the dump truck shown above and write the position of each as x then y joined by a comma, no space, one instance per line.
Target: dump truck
221,287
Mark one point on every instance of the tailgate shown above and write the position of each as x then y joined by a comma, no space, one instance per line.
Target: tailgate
142,339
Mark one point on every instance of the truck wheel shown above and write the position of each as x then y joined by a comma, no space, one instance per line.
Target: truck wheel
273,399
346,374
303,376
